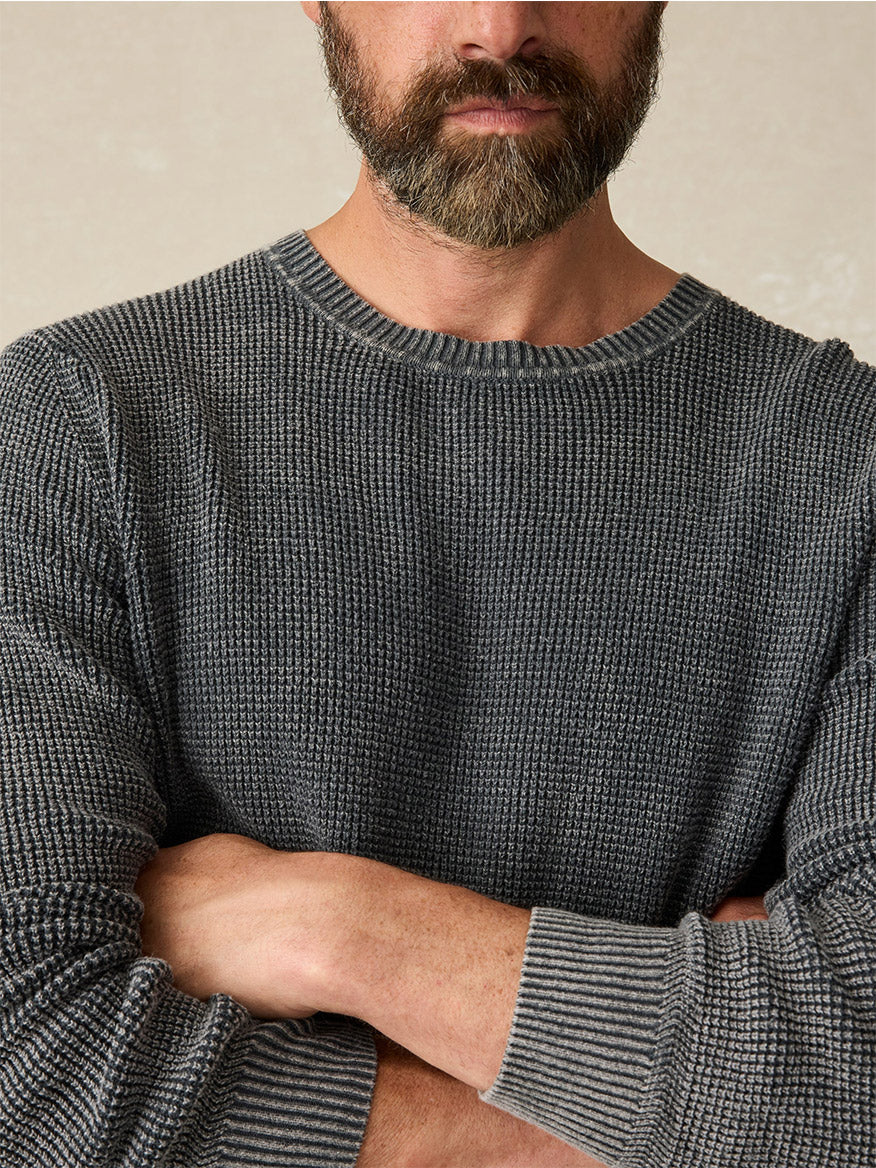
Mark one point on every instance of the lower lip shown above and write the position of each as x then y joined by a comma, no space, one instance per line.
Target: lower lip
499,119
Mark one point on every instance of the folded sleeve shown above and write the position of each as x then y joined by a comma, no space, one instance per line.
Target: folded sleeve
102,1060
727,1045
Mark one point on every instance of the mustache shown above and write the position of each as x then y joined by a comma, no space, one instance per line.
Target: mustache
558,78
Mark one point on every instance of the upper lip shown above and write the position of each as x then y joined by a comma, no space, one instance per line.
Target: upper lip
523,102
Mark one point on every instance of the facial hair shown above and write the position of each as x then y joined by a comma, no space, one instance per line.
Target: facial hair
495,191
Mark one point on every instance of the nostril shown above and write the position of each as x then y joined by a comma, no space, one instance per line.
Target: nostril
499,51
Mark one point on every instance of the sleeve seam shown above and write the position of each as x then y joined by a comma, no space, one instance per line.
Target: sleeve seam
58,355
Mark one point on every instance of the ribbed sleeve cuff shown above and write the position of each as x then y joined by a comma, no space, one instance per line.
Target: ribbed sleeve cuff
301,1095
590,1003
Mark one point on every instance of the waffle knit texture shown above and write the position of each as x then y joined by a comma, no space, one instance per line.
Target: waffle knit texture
590,630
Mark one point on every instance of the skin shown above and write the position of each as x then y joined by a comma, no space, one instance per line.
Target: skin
525,294
437,968
435,971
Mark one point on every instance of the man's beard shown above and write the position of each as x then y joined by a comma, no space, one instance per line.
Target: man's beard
491,190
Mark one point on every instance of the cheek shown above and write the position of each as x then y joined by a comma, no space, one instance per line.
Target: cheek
597,32
390,58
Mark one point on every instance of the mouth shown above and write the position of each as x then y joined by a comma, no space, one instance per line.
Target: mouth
502,117
524,102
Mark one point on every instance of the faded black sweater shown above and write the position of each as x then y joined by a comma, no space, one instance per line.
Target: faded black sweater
591,631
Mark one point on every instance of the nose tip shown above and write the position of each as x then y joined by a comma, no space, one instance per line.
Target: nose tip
498,31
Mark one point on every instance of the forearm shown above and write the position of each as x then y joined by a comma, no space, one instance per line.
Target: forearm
436,968
422,1118
434,1120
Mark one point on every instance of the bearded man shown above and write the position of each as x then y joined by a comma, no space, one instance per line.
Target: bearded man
439,658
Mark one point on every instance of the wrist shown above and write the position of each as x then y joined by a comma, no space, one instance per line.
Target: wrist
434,966
321,936
346,959
366,940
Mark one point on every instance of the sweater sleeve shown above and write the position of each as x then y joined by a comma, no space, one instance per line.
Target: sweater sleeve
102,1060
727,1045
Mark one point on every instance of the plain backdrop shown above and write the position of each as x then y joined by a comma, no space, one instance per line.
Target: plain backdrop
146,143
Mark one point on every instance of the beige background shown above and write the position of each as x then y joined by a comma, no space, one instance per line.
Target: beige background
146,143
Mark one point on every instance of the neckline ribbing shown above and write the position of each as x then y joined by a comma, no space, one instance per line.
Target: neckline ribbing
311,277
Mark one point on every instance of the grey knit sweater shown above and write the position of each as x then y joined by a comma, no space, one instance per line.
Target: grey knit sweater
591,630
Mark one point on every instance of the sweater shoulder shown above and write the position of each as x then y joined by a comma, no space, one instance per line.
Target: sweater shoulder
741,336
786,374
175,330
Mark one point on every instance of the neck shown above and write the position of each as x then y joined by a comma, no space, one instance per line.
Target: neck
570,288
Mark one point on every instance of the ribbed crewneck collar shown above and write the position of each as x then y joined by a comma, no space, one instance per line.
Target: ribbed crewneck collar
311,277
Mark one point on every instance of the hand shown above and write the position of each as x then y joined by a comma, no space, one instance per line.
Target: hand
434,966
423,1118
741,908
233,916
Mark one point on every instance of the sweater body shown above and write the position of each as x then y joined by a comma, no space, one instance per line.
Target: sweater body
561,626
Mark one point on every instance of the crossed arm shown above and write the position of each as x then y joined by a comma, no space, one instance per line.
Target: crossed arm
434,968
